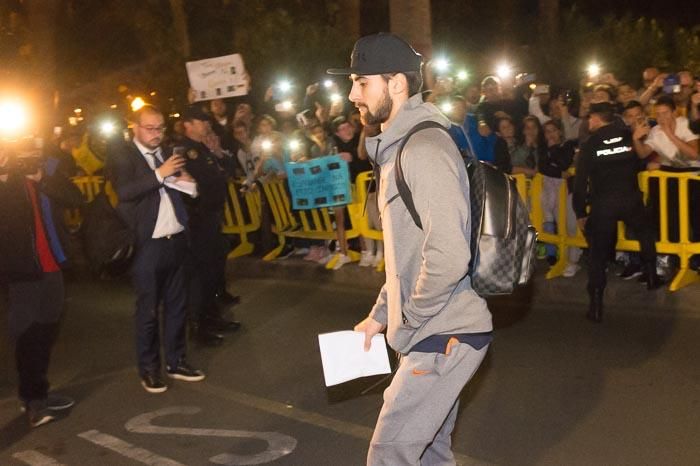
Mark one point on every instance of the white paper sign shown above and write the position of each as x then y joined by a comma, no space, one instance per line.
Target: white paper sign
344,358
218,78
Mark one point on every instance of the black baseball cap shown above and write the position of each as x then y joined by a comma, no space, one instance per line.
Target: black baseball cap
195,112
381,53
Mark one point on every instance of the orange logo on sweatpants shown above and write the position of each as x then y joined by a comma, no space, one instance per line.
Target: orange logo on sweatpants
419,372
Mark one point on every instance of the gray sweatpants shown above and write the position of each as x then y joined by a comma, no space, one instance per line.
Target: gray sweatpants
420,408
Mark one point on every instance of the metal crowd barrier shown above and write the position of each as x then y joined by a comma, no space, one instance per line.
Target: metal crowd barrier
683,248
357,209
318,223
315,224
239,221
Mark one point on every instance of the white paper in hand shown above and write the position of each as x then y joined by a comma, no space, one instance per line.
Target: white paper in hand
344,358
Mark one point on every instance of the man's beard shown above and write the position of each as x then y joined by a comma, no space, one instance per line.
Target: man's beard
382,113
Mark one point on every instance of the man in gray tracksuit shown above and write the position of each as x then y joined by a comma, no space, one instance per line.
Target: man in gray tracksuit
432,315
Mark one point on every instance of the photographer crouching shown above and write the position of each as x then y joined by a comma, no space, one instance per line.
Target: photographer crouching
30,265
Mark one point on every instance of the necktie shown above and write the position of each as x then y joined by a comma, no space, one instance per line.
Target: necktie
156,161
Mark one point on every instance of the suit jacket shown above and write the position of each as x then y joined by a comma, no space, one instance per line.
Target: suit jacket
137,188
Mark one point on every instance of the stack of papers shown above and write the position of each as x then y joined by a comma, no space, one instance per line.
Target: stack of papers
344,358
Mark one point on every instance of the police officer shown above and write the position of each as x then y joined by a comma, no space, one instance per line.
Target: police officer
208,246
606,180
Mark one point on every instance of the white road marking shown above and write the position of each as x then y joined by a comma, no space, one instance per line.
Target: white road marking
307,417
34,458
279,445
126,449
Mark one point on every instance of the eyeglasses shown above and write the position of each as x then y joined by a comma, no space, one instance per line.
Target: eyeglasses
153,129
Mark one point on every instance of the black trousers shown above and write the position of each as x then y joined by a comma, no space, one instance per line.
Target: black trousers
601,233
207,264
32,355
159,277
34,311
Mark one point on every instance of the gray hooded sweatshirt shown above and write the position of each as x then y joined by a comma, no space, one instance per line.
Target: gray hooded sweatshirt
427,290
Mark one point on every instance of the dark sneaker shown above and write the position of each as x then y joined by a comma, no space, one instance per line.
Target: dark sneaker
185,372
630,271
54,402
39,413
153,383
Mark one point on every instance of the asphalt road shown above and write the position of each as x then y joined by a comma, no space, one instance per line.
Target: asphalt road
554,389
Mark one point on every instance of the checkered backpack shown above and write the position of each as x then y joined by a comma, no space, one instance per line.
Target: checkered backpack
503,241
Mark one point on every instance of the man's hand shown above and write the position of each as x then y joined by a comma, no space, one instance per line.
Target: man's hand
640,132
171,166
582,223
484,129
185,176
370,327
347,156
668,127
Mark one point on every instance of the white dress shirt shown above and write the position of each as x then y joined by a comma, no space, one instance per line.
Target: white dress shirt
167,223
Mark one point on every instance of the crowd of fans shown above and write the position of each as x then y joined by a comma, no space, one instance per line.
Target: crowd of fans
533,127
520,125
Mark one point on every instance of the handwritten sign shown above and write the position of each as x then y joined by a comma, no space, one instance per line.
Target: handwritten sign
218,78
321,182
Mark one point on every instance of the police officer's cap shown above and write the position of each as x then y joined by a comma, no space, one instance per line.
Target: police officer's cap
195,112
381,53
602,108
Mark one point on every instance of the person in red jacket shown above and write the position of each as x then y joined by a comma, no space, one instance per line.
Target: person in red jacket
32,256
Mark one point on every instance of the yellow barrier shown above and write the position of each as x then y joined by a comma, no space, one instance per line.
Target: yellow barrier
684,249
318,224
234,222
358,210
308,224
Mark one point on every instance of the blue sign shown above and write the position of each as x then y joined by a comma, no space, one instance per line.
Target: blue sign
321,182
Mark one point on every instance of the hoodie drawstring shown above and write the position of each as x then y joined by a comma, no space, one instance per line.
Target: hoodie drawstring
376,173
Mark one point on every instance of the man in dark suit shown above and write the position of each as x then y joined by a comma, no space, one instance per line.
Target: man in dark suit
141,173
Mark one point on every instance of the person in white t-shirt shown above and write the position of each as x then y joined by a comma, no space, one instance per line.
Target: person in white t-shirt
677,149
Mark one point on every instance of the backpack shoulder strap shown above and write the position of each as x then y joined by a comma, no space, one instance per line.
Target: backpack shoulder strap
401,185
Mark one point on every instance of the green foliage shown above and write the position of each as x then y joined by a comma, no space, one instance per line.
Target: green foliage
300,40
622,45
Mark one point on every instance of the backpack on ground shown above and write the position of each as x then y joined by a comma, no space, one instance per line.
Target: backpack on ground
503,241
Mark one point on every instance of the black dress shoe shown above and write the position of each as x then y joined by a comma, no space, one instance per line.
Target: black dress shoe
185,372
222,325
153,383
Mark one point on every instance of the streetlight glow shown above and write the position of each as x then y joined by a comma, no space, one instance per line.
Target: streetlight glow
13,118
504,71
284,86
593,70
446,107
441,64
137,104
462,75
